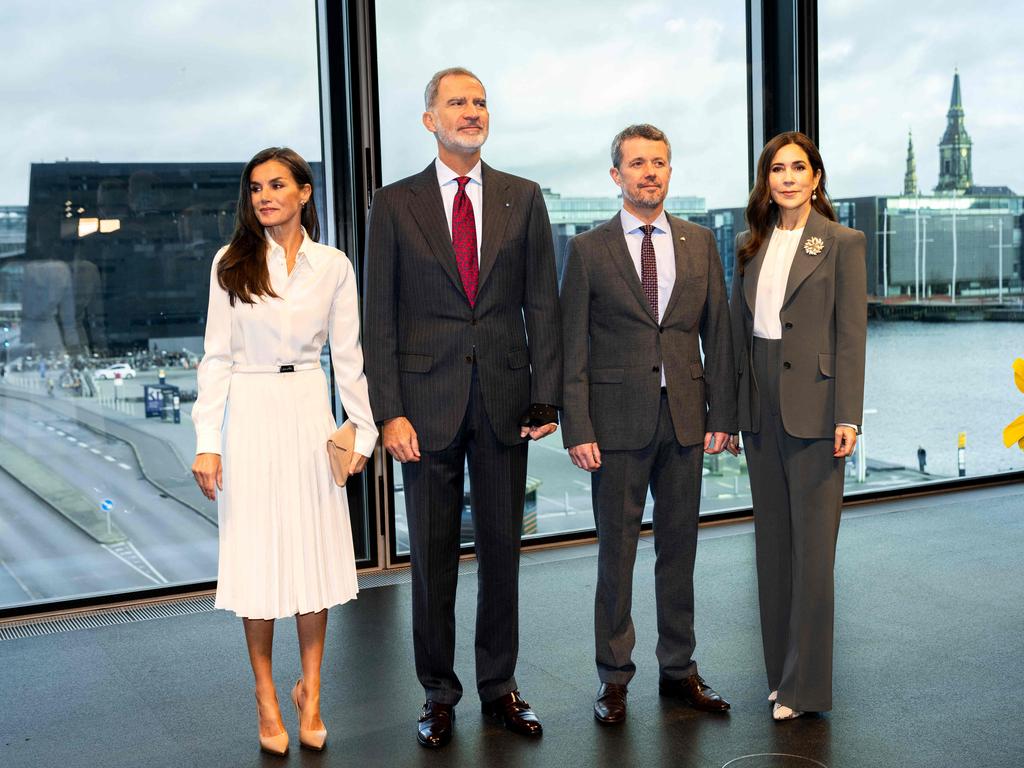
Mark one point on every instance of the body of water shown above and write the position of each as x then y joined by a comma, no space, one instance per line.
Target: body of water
930,381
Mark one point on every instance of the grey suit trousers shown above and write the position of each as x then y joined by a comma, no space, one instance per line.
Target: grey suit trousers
673,473
434,497
797,489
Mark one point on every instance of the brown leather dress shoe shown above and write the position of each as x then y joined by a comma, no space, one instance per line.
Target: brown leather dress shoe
436,724
514,713
695,692
610,704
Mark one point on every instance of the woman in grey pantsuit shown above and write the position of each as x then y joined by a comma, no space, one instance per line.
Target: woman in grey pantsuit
799,321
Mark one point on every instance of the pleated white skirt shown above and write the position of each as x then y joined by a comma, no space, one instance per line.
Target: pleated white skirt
285,536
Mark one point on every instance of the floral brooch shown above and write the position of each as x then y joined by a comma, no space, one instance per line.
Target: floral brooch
813,245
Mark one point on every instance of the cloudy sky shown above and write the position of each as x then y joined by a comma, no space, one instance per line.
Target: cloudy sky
205,80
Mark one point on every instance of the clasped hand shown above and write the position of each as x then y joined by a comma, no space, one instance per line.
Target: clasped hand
400,440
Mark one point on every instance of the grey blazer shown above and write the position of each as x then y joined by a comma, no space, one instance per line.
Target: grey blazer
614,348
420,336
824,333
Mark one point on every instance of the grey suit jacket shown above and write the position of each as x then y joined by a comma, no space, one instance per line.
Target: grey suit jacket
421,337
824,333
614,348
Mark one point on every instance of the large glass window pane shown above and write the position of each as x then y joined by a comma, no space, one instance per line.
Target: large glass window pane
920,134
125,128
558,92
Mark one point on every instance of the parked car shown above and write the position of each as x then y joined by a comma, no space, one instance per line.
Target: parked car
115,371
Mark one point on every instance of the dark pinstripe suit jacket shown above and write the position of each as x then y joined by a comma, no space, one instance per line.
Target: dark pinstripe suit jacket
421,337
614,348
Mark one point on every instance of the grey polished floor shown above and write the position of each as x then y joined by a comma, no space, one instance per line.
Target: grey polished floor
929,666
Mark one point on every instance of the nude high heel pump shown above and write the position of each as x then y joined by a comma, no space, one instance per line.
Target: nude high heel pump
311,738
275,745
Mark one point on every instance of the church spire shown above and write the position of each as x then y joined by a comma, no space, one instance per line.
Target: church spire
955,102
910,177
955,147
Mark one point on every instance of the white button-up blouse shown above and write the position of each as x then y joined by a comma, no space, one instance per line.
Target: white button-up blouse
772,281
317,302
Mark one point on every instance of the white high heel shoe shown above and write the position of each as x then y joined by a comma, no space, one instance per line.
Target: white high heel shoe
275,745
782,712
311,738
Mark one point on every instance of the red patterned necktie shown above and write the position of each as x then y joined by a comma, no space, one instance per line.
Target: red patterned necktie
649,269
464,240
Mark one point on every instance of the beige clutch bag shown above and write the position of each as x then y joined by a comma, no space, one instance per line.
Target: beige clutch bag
340,446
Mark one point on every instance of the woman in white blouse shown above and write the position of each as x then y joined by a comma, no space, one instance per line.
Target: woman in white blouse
799,322
262,421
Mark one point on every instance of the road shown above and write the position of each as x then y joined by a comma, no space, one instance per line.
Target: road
47,557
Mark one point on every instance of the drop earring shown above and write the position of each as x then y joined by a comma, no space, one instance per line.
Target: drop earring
814,195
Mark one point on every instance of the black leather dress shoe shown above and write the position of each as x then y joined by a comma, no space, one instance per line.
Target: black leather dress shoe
436,724
610,704
514,713
695,692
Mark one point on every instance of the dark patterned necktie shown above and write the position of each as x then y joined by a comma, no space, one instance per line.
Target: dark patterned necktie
464,240
649,269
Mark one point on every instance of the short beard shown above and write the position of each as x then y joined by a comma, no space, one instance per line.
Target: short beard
456,142
647,202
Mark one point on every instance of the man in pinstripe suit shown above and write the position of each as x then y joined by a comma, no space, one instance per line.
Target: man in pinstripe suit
463,359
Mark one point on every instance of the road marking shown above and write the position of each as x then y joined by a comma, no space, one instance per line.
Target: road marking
128,554
82,445
582,484
125,466
18,581
50,427
96,451
538,444
557,504
72,439
59,432
109,458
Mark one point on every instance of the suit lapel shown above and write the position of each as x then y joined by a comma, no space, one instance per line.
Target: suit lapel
752,272
804,263
497,204
683,266
427,208
615,241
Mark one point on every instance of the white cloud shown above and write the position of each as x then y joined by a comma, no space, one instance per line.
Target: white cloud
197,80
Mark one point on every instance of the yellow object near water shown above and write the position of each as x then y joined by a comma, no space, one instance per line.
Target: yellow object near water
1014,432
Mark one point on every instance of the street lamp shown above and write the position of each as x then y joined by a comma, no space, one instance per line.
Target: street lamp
1000,251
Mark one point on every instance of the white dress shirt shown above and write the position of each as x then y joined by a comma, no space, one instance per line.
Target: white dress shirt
772,280
446,178
664,256
317,301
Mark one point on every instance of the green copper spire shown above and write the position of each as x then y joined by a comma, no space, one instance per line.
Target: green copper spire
910,177
955,147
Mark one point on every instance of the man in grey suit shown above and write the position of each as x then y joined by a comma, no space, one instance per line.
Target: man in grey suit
463,360
640,294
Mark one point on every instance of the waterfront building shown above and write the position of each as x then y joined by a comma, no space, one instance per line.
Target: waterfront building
962,241
113,252
571,216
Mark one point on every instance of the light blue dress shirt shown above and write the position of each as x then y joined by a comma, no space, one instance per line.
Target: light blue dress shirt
664,256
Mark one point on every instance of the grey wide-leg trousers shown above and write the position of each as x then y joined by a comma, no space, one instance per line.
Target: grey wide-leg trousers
797,489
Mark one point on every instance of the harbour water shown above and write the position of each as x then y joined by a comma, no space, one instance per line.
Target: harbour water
930,381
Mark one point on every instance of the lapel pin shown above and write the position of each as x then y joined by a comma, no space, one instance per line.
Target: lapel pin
682,238
508,205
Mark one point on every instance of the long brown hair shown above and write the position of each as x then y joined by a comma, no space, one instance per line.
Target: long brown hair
761,213
242,270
